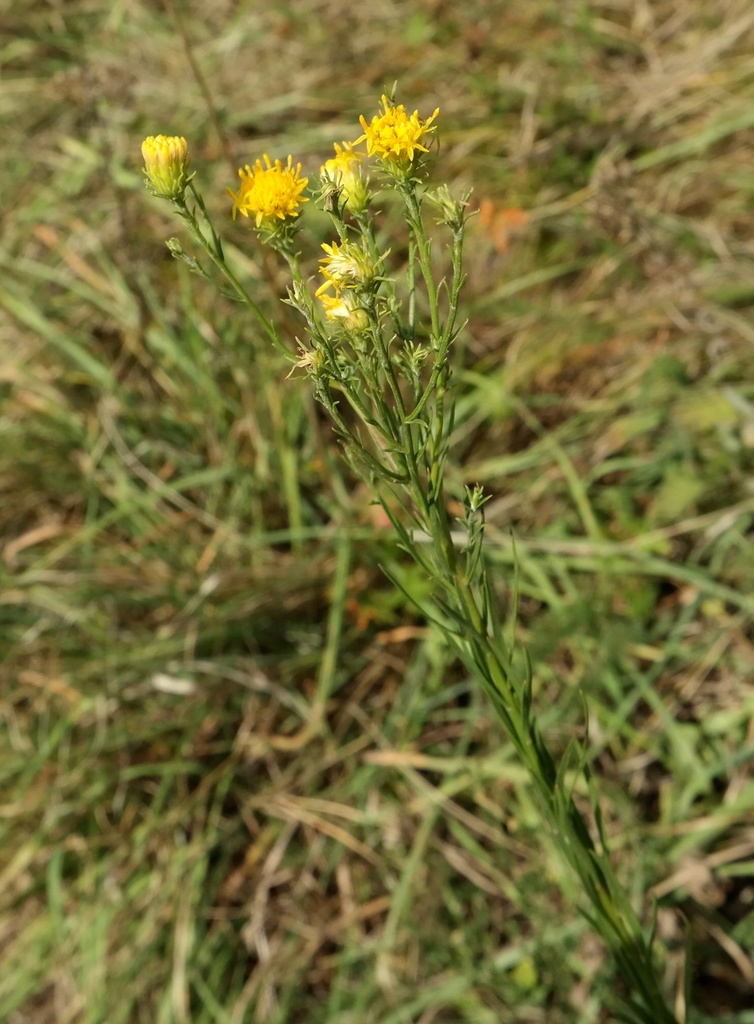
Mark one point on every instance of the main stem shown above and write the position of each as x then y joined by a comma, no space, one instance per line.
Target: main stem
612,913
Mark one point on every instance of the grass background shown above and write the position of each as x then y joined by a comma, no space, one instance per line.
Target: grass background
240,781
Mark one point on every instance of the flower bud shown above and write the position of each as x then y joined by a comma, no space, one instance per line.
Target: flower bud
166,165
452,211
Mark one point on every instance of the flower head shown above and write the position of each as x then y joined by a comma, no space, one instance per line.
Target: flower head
311,360
166,165
347,266
343,305
396,136
344,171
270,193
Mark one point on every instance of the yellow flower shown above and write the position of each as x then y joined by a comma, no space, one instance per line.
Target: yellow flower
395,135
344,165
346,265
270,193
344,170
343,306
166,165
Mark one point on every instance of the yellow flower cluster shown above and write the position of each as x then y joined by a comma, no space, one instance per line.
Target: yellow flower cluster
269,193
272,193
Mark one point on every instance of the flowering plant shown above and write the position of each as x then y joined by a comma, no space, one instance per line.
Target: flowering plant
377,352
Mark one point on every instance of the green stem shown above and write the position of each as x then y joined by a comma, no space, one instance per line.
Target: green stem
213,247
613,915
425,255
